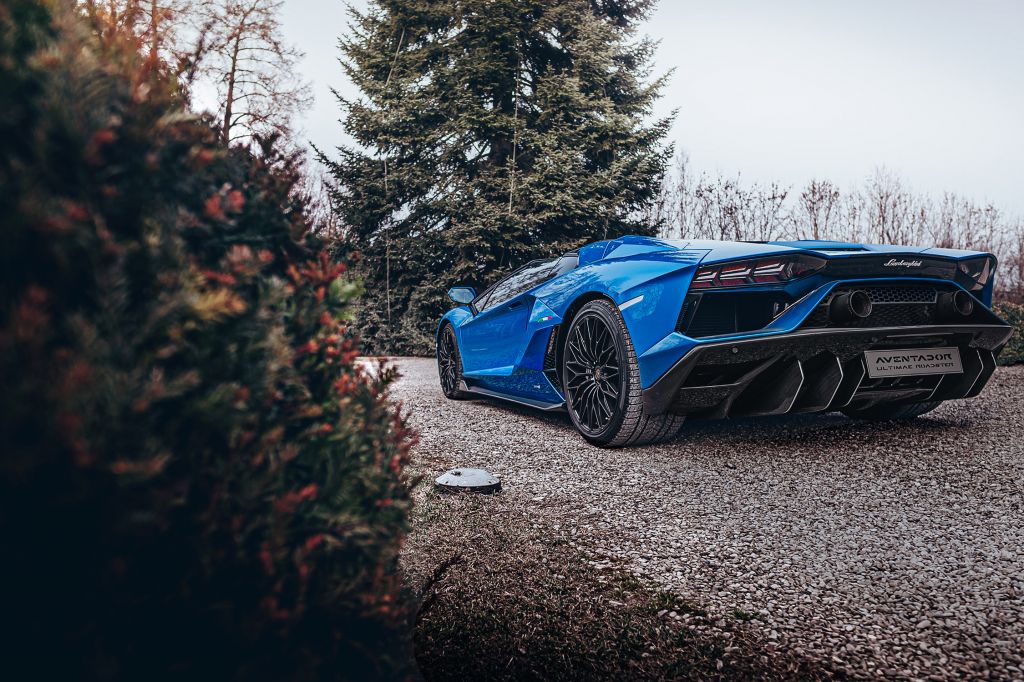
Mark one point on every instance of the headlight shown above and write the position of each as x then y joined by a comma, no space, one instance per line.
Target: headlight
973,274
742,273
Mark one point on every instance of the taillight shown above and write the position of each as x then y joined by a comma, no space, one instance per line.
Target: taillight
775,270
973,274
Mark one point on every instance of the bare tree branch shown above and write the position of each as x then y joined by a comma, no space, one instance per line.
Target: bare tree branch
253,68
884,210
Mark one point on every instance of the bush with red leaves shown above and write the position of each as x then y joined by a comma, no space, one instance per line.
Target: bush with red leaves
198,479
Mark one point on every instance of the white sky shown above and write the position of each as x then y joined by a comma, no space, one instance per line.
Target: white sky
796,89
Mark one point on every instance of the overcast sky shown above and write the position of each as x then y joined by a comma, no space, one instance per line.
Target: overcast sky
797,89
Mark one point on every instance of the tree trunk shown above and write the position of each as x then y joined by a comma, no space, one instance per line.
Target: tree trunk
154,22
229,100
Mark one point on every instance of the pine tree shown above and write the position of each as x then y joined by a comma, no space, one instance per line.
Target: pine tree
489,132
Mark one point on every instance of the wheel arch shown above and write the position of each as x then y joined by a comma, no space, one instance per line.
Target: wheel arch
445,322
567,318
454,317
629,423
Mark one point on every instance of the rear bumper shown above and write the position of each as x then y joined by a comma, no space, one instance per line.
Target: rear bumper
816,370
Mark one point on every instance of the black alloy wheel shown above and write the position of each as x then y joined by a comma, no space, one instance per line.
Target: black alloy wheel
601,380
449,364
593,374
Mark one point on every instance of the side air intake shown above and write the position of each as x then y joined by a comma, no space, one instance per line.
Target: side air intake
551,359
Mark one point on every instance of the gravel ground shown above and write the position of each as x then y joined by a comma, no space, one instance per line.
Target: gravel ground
880,549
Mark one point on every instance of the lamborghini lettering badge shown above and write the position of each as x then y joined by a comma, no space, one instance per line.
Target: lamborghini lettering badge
913,361
893,263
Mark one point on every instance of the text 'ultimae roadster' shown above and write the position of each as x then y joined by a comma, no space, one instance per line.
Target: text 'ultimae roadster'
634,335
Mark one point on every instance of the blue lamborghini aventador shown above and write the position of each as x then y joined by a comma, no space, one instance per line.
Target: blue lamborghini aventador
633,335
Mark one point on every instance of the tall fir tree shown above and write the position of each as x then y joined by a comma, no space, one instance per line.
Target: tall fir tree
489,132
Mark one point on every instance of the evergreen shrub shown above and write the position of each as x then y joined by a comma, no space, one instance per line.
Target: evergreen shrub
199,480
1013,353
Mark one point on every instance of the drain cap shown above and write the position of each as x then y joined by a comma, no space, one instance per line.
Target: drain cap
468,480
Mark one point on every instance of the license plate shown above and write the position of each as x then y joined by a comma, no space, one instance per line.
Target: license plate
912,361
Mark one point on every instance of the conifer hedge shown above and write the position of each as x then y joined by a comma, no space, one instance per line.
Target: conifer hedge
198,479
489,134
1013,353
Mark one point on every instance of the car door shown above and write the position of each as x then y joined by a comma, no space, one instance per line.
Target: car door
495,337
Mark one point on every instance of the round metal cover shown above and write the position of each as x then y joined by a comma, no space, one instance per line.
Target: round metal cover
468,480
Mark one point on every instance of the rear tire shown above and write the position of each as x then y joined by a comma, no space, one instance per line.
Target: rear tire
601,377
888,413
449,364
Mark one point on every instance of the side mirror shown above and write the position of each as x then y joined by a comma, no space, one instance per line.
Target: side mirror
463,295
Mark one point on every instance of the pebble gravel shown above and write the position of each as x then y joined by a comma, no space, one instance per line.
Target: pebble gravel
891,550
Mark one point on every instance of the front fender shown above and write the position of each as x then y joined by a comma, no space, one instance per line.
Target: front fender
456,317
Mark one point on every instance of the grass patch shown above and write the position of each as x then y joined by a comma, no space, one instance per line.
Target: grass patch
747,616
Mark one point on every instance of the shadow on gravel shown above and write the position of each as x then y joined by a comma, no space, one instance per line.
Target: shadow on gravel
779,430
501,602
558,419
798,428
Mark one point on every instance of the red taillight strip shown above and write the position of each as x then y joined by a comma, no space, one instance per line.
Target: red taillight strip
770,269
734,273
760,271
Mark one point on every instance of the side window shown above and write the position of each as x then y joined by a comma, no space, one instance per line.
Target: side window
482,302
519,281
566,263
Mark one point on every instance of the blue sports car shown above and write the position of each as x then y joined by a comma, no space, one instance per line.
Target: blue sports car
634,335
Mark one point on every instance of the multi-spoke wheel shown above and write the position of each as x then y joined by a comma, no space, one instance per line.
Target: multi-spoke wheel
593,375
602,381
449,363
